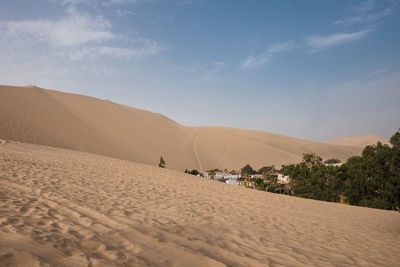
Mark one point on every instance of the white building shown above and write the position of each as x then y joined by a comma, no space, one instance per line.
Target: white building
334,164
232,182
283,179
222,176
256,176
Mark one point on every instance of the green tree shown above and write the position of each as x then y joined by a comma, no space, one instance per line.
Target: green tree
212,173
267,170
259,184
285,169
162,163
369,181
332,161
248,170
194,172
395,167
395,139
312,179
271,182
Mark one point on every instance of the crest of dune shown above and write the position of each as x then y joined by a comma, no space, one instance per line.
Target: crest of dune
47,117
359,141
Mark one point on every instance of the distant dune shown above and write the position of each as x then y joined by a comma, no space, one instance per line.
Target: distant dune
67,208
359,141
34,115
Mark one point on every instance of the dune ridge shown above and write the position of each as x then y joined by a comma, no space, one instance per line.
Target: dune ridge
47,117
67,208
359,141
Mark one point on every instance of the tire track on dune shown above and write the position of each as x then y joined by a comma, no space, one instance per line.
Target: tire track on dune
195,150
223,153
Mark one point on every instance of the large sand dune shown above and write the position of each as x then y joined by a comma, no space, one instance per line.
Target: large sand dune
68,208
45,117
359,141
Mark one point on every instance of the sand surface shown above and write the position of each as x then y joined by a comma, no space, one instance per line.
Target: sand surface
46,117
66,208
359,141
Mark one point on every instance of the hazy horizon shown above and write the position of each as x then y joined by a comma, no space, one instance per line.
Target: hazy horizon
314,70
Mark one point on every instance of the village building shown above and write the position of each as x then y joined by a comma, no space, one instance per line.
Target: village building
282,184
334,164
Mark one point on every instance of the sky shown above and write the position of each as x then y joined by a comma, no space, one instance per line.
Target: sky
309,69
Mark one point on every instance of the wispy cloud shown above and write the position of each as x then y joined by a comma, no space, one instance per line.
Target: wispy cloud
76,36
71,2
206,68
364,18
123,12
101,2
318,43
110,51
254,61
183,2
123,2
365,15
367,12
75,29
378,72
366,6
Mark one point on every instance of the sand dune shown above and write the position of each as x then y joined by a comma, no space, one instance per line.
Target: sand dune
45,117
359,141
66,208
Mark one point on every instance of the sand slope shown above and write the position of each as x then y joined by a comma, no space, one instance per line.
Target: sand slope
35,115
359,141
68,208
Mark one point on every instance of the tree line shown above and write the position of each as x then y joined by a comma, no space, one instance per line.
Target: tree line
370,180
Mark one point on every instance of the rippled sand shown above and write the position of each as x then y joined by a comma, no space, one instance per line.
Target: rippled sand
66,208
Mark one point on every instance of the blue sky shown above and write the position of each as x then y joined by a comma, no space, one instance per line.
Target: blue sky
310,69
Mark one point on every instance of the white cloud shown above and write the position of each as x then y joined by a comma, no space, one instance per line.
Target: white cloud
74,37
71,2
205,69
367,12
315,42
123,2
102,2
378,72
109,51
254,61
257,60
122,12
364,18
75,29
366,6
318,43
183,2
218,63
280,47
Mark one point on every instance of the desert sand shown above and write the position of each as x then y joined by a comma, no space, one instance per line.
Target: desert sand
359,141
67,208
100,126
